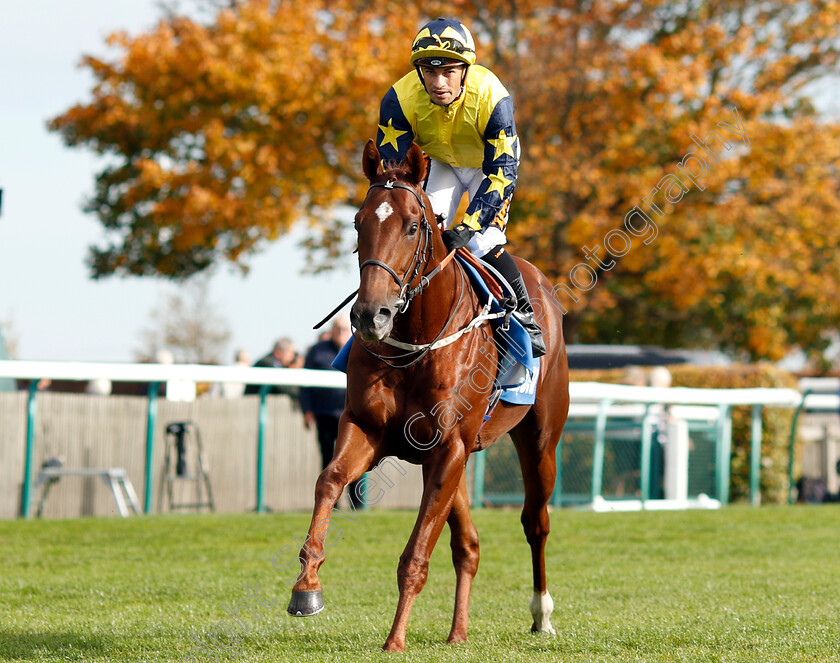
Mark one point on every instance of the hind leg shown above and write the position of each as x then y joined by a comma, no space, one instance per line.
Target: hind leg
539,470
464,546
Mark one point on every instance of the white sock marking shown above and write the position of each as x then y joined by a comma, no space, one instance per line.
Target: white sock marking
541,607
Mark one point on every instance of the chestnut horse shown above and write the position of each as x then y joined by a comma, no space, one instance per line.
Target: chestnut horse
397,399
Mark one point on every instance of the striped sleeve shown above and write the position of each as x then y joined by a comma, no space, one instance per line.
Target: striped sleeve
394,135
500,166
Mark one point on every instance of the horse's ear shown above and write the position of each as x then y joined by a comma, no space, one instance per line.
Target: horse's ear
416,162
371,164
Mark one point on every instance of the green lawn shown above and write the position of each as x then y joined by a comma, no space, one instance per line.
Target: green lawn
740,584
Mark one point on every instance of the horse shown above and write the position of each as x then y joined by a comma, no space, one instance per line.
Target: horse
424,405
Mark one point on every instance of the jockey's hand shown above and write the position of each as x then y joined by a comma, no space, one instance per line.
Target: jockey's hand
457,236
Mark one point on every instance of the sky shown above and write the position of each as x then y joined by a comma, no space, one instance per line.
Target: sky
56,311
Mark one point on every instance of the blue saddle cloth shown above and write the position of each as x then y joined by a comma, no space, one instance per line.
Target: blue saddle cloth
517,370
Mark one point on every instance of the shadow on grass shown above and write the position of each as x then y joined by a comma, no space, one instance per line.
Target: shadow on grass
35,646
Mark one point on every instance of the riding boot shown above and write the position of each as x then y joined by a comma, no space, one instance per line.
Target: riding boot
525,314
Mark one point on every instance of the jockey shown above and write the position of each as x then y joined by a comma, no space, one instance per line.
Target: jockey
462,117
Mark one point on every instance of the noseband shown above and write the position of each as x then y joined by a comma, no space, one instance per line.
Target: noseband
423,253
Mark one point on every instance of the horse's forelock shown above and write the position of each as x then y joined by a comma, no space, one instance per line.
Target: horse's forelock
400,171
397,170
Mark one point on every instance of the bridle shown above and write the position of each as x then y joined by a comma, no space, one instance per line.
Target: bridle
423,253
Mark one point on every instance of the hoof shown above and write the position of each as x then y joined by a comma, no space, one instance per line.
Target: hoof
393,645
305,604
547,629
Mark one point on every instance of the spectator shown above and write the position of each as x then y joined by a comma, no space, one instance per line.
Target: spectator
660,377
242,358
164,356
322,407
634,376
283,355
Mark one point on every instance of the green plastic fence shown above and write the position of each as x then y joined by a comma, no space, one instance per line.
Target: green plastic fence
497,480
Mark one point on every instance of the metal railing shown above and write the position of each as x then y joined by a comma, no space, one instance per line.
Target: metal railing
155,375
600,398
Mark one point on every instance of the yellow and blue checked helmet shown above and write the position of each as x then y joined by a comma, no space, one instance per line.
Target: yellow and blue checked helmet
443,41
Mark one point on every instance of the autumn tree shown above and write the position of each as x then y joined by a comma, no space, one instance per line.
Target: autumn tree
221,133
610,98
8,339
188,325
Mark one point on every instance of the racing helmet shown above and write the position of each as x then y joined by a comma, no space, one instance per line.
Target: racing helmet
443,42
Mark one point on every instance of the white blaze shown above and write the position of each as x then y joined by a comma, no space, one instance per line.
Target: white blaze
384,211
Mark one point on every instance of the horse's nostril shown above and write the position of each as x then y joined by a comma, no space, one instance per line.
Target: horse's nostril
382,317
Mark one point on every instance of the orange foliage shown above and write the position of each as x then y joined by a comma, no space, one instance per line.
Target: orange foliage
222,135
608,96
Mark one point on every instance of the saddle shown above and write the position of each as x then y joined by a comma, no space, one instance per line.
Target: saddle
517,369
486,275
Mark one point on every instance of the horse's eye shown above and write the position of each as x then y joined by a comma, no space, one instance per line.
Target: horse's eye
412,229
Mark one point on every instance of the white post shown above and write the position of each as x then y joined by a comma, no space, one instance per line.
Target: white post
832,455
676,461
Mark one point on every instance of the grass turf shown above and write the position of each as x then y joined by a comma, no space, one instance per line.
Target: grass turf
740,584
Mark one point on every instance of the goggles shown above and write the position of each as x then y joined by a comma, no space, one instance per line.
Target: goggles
443,44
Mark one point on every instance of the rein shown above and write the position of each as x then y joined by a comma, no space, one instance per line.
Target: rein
420,350
423,254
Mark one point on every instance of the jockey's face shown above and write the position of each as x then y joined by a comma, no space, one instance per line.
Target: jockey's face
443,83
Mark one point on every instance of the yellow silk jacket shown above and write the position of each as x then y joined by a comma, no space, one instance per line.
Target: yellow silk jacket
477,130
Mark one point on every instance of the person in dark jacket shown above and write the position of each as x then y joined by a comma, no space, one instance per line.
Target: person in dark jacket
283,355
322,406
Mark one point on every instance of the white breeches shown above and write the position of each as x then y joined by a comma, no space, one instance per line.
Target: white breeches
445,187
